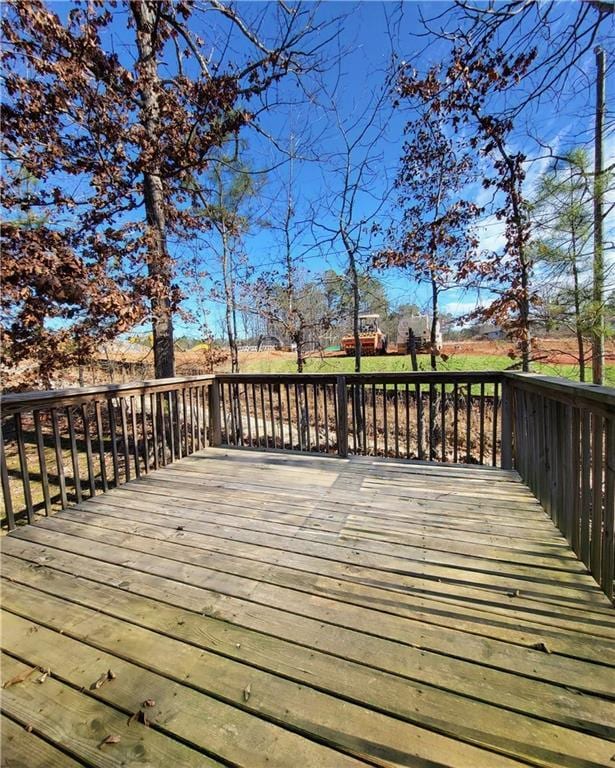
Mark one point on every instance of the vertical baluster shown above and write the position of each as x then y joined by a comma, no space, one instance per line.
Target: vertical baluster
198,398
432,422
161,405
597,465
100,434
443,420
494,427
74,454
264,412
224,418
256,424
482,424
316,424
154,413
248,419
419,421
6,486
575,476
182,422
306,416
179,424
341,401
59,458
353,412
42,461
23,467
585,485
88,449
608,557
290,416
374,420
270,393
145,430
237,411
281,413
123,416
396,404
469,425
298,414
385,408
135,435
325,395
407,409
192,401
364,419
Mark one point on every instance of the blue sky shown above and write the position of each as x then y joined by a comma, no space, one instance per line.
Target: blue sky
356,63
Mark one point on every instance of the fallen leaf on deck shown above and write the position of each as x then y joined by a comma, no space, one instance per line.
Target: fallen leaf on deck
112,738
149,703
540,647
44,676
247,691
104,678
29,727
142,718
19,678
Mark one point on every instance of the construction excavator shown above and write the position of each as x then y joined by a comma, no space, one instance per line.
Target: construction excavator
373,340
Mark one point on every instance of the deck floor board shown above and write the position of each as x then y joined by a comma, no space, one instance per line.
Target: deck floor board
289,610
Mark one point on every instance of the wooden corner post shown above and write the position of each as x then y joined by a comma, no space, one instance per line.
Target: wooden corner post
342,417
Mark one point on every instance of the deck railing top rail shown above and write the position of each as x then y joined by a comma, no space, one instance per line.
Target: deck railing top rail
17,402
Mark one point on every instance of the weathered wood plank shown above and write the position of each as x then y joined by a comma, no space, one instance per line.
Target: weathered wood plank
350,727
22,748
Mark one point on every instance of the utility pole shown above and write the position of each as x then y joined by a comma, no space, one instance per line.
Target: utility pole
598,287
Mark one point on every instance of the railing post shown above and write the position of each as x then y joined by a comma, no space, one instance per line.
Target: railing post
342,417
507,425
215,423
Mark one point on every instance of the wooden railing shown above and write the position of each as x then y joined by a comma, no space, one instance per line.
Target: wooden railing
60,446
564,450
455,417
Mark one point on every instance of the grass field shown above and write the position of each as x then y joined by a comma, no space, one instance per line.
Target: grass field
285,363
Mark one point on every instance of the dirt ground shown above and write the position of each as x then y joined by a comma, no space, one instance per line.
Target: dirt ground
546,350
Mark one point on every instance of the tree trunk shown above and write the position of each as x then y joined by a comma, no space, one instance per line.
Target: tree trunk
598,287
434,323
158,260
354,277
578,323
229,296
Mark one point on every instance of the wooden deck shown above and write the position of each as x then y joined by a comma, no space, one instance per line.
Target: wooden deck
260,609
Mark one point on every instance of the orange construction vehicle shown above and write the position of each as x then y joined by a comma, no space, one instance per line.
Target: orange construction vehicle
373,340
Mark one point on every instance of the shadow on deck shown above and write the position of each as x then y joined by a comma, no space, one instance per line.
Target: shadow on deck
262,609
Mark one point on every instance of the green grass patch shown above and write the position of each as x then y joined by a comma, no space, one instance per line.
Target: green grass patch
401,364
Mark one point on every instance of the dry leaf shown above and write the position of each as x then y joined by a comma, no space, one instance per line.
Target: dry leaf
19,678
105,677
112,738
540,647
247,691
142,718
149,703
29,727
44,676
